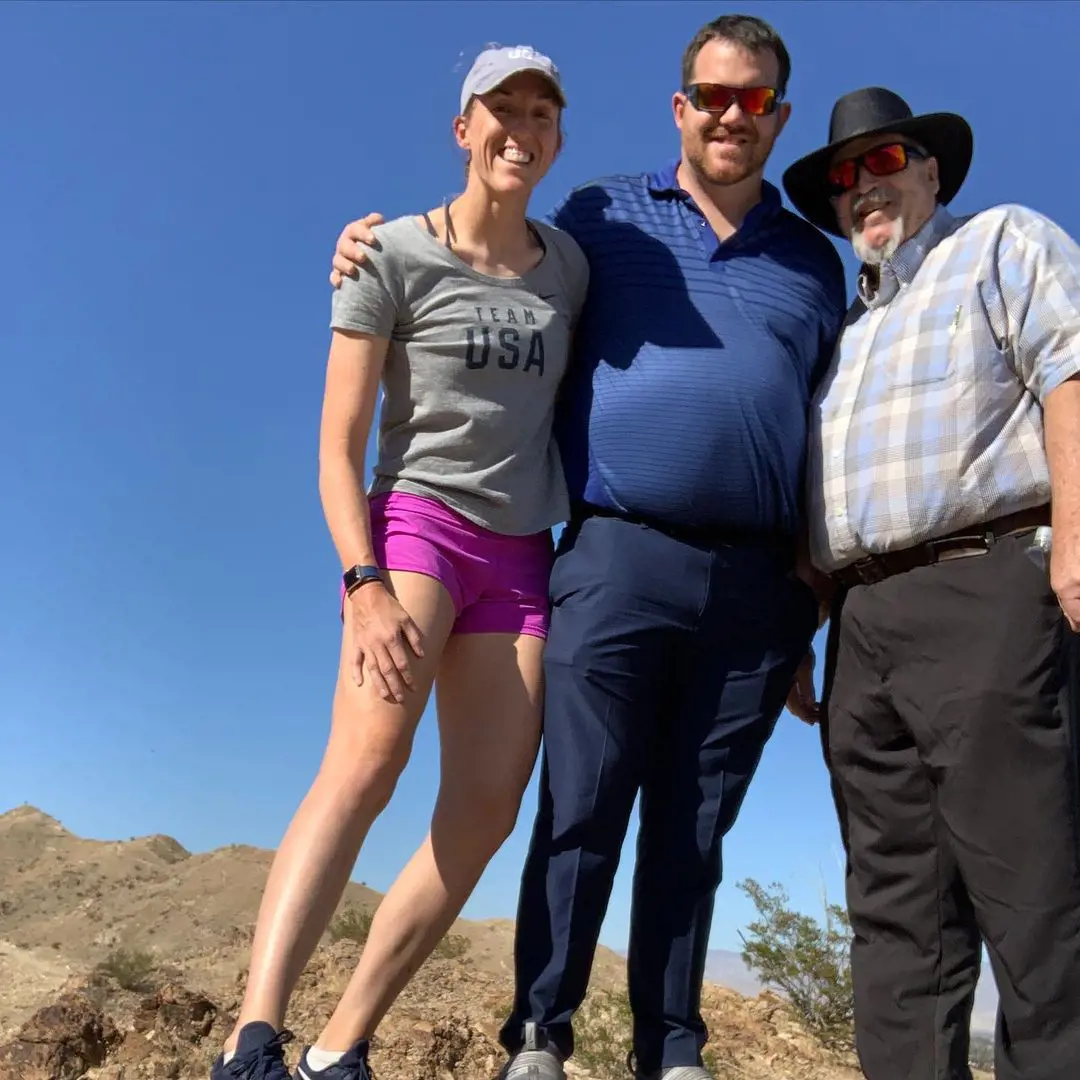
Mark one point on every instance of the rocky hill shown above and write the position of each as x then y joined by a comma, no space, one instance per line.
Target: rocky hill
173,930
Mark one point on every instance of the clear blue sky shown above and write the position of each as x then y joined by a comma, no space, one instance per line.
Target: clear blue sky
173,179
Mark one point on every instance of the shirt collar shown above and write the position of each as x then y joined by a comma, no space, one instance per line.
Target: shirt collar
900,268
663,183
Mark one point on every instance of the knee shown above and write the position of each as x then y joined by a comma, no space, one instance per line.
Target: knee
593,813
487,815
365,778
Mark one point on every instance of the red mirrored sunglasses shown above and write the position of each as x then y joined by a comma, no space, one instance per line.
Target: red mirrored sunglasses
879,161
714,98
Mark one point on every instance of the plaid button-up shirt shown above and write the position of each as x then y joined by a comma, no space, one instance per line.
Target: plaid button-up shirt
929,418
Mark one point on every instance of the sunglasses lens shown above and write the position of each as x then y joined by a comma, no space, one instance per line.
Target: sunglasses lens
880,161
886,160
754,100
842,176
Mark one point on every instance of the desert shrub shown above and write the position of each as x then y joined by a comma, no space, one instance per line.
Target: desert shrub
603,1037
602,1033
807,961
131,969
352,924
451,947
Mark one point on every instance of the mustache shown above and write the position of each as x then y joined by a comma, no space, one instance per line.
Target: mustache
743,131
876,196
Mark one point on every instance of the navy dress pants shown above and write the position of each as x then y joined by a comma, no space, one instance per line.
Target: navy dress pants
667,665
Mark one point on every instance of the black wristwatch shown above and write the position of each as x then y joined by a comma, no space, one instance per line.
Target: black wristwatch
357,576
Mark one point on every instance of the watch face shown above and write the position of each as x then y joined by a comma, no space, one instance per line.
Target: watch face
358,575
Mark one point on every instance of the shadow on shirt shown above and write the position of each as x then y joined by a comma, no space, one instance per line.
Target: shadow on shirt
637,272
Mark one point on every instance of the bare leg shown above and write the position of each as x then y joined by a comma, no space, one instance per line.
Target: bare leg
489,698
369,745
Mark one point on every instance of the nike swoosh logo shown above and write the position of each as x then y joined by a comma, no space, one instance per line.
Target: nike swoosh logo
549,296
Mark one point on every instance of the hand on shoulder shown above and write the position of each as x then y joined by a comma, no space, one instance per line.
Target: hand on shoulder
349,252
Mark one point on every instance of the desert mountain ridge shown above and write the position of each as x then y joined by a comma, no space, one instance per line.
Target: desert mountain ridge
68,904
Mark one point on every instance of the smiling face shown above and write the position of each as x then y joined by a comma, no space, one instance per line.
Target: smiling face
879,213
727,148
511,134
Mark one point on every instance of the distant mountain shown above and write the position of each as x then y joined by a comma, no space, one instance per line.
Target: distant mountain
726,968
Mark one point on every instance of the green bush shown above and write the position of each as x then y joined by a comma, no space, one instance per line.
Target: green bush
602,1029
132,970
807,961
451,947
352,924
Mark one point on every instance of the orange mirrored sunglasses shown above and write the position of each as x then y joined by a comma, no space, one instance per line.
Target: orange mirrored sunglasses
882,160
715,98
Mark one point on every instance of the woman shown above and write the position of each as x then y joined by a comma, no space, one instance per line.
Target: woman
464,314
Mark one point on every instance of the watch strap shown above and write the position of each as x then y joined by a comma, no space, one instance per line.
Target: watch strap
358,576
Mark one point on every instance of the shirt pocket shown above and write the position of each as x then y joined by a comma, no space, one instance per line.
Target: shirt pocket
929,351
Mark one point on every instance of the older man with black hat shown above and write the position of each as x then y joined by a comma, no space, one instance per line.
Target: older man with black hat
944,455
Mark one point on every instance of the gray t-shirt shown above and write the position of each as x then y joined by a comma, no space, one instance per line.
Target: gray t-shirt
471,373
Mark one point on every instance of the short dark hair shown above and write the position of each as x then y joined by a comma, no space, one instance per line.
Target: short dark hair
751,33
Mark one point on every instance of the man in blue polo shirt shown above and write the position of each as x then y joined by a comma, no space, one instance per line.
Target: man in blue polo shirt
678,621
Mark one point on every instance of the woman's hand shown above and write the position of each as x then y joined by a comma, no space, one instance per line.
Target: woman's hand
384,638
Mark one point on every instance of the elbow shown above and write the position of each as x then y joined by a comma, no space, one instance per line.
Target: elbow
337,467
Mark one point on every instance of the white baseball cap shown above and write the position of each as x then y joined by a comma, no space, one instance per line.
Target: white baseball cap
498,62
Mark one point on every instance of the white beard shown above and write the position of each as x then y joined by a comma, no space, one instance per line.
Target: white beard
875,256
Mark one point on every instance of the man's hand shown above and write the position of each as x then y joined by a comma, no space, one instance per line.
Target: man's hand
1065,577
349,253
821,585
802,698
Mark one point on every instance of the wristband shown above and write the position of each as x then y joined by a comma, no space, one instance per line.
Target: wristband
357,577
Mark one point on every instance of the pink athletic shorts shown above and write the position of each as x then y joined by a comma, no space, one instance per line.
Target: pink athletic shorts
499,584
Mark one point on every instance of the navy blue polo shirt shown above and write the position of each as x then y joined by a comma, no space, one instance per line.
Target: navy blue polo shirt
694,360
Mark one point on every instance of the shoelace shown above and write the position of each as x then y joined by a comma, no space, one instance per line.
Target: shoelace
265,1062
364,1070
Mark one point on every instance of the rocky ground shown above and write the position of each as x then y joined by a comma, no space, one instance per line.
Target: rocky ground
173,929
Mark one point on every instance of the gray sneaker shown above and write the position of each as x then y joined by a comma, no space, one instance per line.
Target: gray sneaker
536,1060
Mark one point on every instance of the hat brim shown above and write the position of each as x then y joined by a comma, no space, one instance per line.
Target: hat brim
485,88
946,136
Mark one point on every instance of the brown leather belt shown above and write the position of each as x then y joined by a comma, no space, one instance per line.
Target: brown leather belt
974,540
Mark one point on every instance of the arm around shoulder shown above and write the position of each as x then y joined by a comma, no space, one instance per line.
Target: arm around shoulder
369,302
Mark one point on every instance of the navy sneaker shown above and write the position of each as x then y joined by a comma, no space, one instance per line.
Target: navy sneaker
353,1066
260,1055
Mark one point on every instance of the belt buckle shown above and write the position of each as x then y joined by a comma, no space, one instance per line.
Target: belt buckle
869,570
960,545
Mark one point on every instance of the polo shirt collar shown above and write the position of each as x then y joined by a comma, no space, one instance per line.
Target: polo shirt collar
664,183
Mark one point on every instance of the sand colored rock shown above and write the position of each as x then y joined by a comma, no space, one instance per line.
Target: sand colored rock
71,903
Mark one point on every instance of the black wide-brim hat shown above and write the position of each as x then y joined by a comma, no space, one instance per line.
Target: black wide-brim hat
876,111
